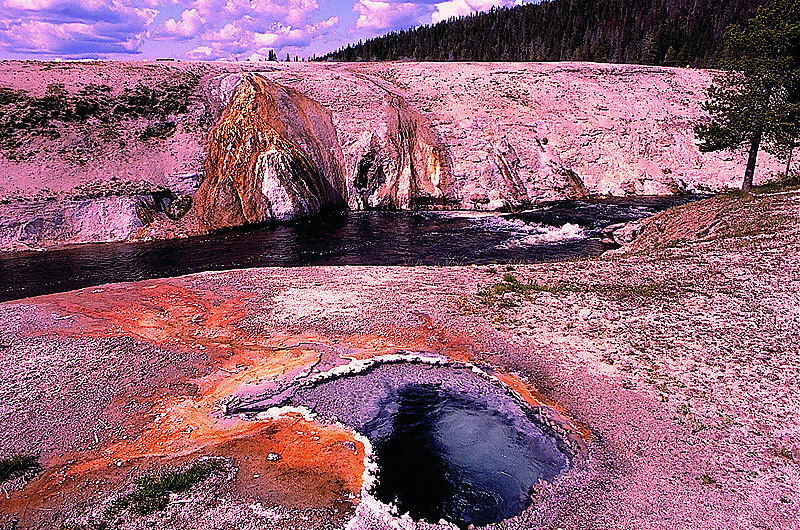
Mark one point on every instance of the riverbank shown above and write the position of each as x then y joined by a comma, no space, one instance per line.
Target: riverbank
676,359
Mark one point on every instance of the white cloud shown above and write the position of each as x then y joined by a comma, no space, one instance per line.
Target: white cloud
217,28
396,14
378,14
187,27
228,29
259,11
238,28
73,28
201,53
458,8
289,36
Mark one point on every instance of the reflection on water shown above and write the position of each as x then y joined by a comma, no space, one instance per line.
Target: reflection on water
555,231
443,455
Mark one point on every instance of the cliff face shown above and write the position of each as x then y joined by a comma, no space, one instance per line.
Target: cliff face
280,141
398,162
391,159
502,135
273,155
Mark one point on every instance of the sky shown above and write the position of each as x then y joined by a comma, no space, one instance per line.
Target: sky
208,29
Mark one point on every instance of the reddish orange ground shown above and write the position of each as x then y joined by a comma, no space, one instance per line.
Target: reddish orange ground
319,464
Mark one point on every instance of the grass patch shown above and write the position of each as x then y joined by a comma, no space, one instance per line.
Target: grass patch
152,493
16,466
784,183
731,215
503,293
23,116
159,129
707,480
507,292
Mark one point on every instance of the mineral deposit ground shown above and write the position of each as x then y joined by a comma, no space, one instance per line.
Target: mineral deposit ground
669,369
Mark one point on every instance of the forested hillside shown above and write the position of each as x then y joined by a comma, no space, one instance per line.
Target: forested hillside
662,32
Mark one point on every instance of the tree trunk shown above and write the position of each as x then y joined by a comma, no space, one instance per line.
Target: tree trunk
755,143
789,159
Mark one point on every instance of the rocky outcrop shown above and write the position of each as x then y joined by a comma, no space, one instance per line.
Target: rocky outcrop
723,217
393,157
40,225
400,163
273,156
622,233
507,135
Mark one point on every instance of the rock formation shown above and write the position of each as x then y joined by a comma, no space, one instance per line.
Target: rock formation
506,135
400,163
38,225
273,156
286,140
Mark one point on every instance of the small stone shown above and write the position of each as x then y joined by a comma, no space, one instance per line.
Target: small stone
272,457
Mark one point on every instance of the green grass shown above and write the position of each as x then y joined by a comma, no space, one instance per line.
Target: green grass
152,493
23,115
786,453
785,183
17,466
159,129
707,480
497,295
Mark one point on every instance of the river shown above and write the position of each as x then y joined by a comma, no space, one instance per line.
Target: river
548,232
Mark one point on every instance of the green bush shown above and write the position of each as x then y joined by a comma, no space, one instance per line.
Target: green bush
17,466
152,493
22,115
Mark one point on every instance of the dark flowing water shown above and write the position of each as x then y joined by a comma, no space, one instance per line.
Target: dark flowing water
444,455
553,231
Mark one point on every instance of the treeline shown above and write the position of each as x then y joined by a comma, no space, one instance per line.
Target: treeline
657,32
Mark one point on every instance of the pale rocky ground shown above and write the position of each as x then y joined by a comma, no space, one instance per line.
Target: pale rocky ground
623,129
405,135
679,354
90,158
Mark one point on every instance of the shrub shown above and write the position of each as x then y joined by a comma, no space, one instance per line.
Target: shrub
17,466
152,493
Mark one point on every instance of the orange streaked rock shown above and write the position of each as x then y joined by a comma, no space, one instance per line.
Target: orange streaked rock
273,155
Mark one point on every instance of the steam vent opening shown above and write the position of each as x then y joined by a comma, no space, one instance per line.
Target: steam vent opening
449,443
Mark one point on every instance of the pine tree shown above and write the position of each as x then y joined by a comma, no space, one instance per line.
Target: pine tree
670,57
558,30
754,103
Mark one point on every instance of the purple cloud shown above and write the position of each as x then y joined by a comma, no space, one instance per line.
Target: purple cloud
187,27
231,29
69,28
384,15
211,29
457,8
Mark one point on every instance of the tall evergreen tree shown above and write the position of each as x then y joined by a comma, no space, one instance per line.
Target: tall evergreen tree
754,103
